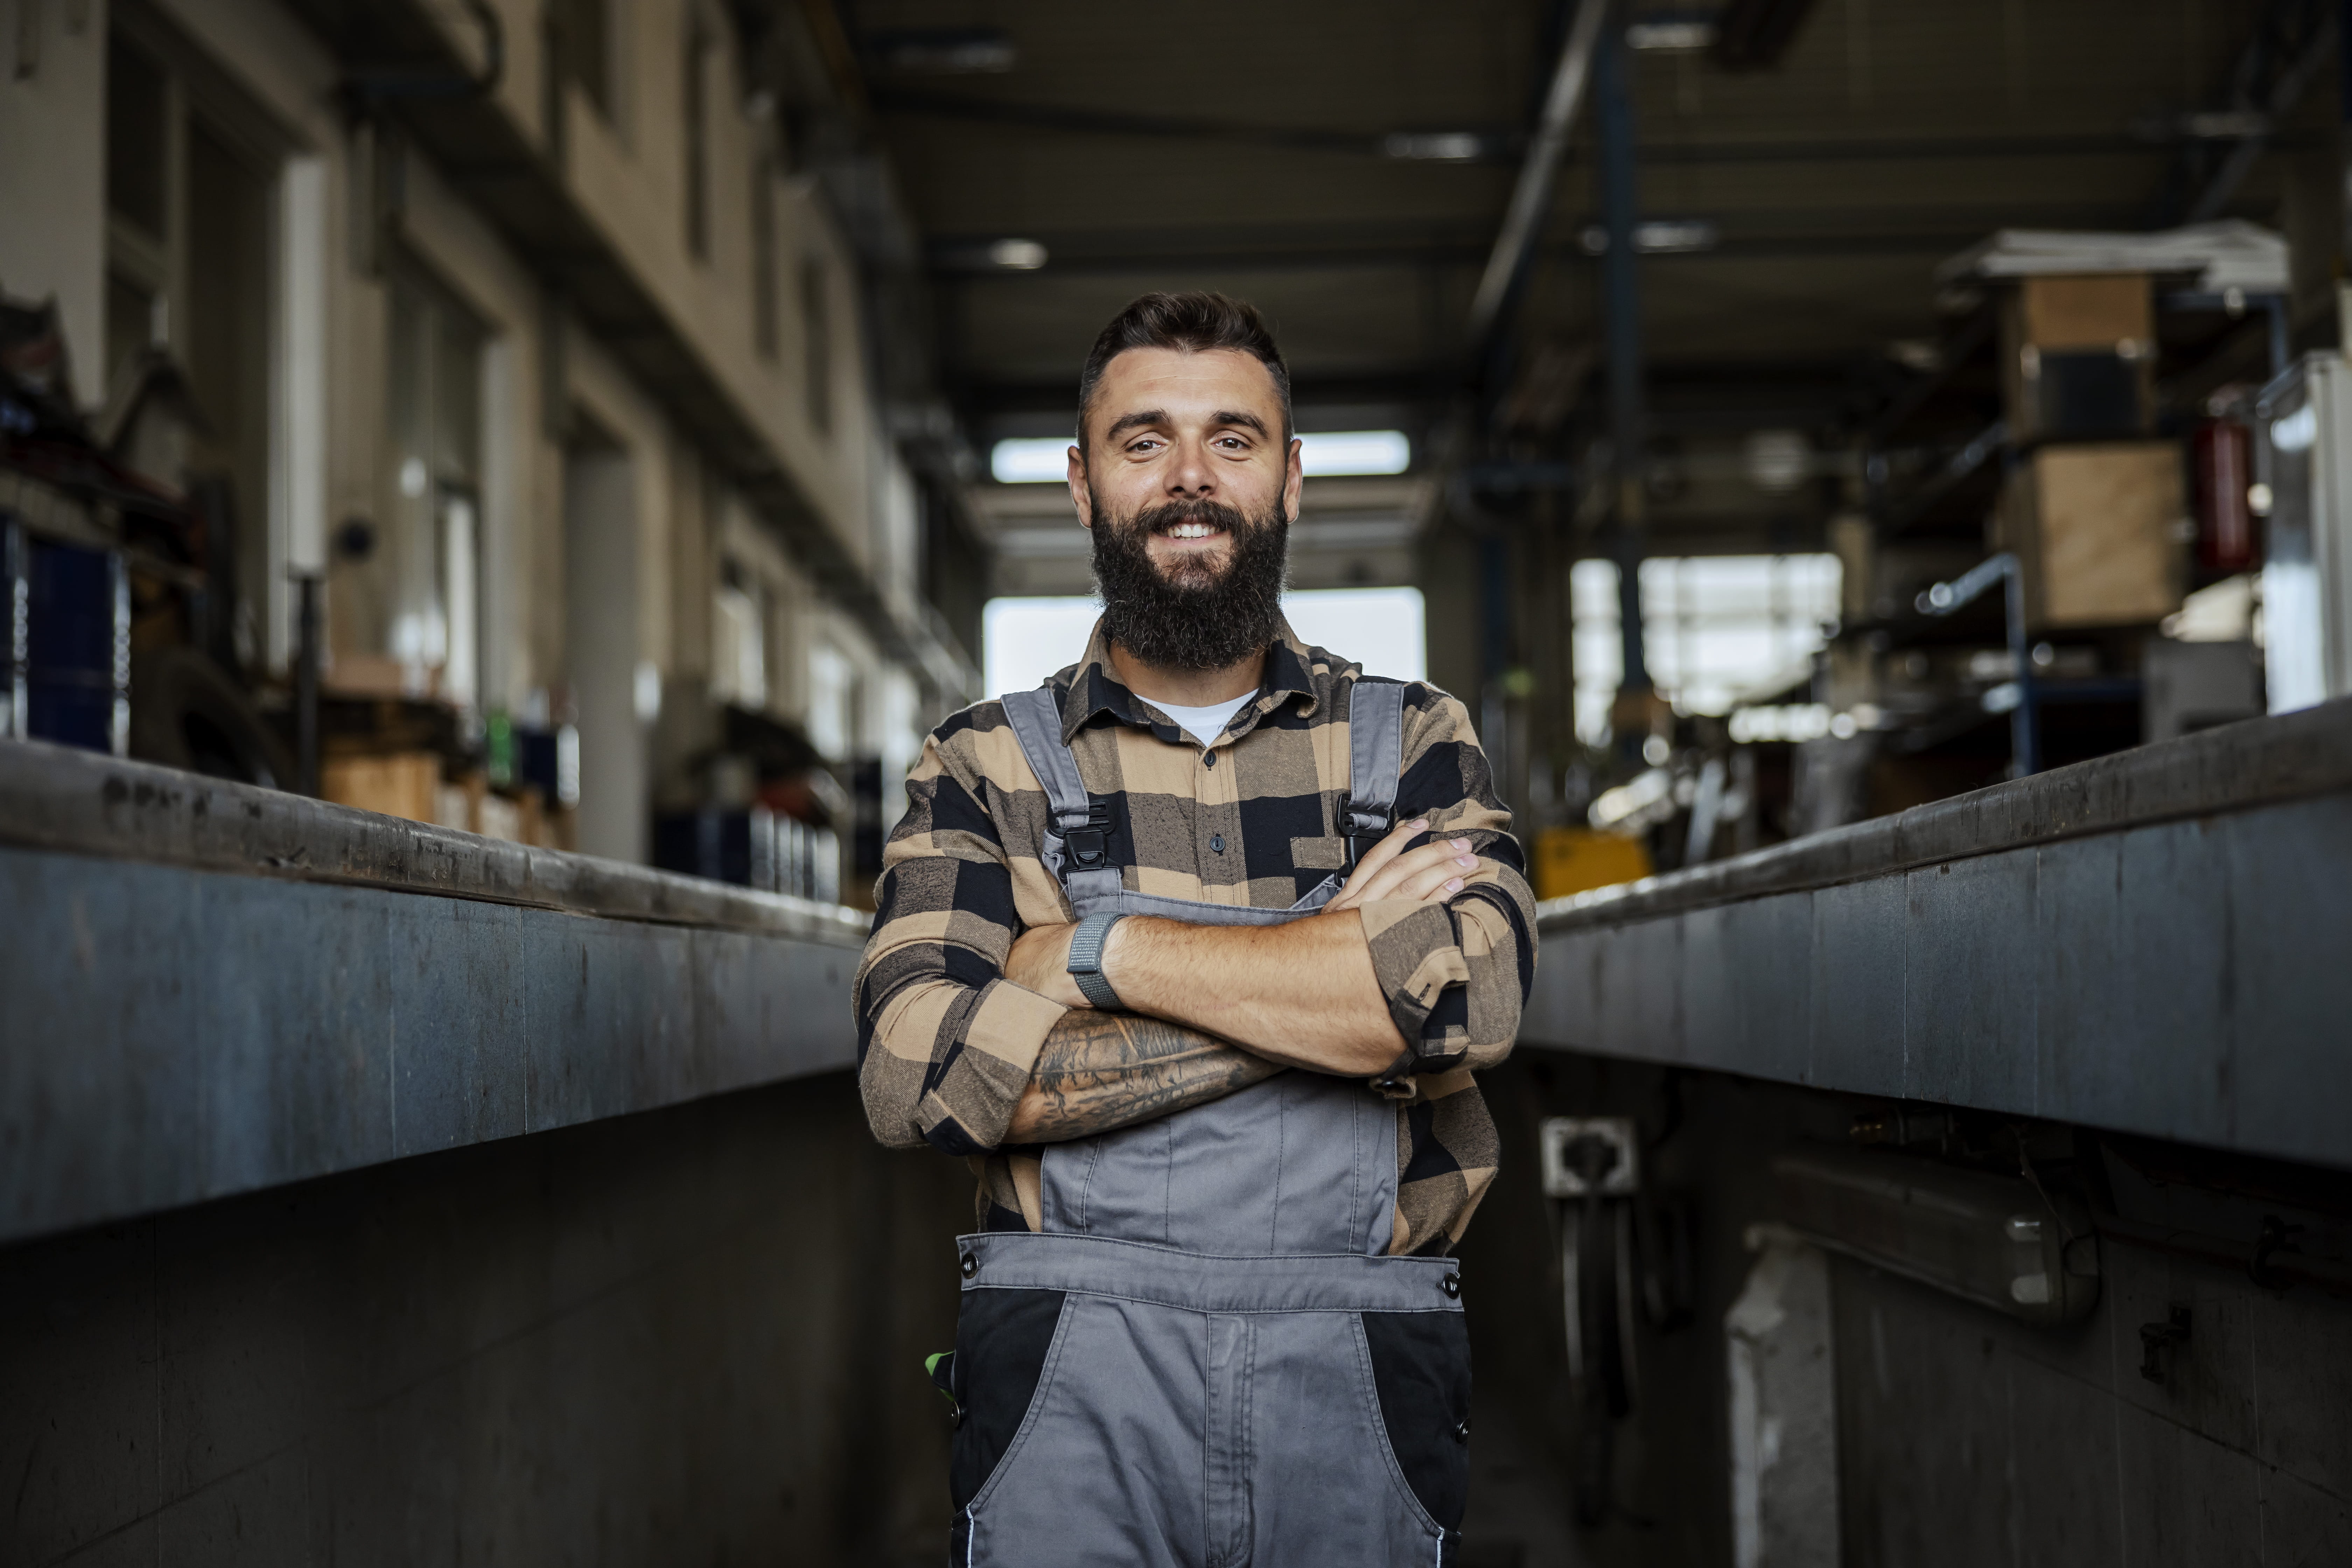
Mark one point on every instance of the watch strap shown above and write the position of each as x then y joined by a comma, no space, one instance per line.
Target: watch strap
1086,961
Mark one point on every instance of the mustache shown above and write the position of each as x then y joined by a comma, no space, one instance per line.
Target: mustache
1167,516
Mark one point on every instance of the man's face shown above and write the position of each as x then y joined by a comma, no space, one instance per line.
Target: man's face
1168,425
1188,485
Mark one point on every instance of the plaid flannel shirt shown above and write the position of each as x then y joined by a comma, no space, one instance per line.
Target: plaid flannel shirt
947,1045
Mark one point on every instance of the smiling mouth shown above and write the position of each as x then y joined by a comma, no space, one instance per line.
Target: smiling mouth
1191,530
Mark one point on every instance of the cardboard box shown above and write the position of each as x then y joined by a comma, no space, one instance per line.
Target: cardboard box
2102,530
2078,357
403,783
2083,311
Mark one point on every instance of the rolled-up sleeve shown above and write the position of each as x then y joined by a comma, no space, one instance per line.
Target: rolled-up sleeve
1455,975
945,1045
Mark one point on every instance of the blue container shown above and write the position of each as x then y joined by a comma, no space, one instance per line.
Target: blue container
68,643
77,645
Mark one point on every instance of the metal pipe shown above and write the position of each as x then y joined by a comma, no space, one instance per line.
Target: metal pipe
1532,197
1621,303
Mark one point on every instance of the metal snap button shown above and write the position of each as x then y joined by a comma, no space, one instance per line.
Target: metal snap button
1461,1429
1451,1285
1208,759
1217,842
971,1266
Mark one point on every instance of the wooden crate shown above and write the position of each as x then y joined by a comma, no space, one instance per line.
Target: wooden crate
400,784
2101,530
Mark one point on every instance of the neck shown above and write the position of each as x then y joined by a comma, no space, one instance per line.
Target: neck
1186,687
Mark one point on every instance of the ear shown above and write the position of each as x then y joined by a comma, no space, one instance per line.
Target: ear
1294,479
1080,501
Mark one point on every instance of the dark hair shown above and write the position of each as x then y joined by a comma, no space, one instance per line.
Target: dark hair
1193,321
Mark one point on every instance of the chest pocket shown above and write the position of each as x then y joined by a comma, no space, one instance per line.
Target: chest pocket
1318,854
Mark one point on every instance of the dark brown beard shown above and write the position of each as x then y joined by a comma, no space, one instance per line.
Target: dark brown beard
1199,617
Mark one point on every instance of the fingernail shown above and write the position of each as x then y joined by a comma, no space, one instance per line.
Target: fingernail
1465,859
1417,823
1462,845
1454,885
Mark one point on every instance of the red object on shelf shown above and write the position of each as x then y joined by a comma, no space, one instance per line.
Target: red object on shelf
2222,456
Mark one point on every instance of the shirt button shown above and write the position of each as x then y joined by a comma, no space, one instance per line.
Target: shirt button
1217,842
1208,759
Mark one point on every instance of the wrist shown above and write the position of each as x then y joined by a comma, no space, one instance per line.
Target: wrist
1089,958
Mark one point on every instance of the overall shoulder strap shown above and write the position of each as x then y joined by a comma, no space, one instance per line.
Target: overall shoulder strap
1375,760
1078,846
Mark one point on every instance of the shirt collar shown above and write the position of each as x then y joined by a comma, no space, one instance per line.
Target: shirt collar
1094,688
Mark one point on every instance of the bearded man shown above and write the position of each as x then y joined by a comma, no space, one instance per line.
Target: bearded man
1192,953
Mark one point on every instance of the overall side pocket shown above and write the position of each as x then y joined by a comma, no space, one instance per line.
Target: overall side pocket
1002,1339
1421,1372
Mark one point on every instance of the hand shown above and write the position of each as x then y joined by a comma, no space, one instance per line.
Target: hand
1040,961
1431,874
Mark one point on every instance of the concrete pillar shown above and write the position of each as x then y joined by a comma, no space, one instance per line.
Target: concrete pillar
1784,1469
601,649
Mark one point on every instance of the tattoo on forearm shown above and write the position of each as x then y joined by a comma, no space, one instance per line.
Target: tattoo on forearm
1103,1070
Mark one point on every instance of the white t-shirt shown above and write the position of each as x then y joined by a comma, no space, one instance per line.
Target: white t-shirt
1205,724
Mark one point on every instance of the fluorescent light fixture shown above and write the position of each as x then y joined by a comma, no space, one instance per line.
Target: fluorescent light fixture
1659,236
1325,454
1671,33
944,51
1016,255
1434,146
1030,462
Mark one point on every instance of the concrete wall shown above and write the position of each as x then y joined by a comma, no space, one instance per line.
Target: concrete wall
694,1335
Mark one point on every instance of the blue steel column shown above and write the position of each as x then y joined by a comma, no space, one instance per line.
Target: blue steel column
1621,304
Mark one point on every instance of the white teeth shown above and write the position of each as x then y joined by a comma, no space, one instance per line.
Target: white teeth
1190,531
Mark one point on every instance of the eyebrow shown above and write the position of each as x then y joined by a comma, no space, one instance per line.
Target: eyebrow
1126,422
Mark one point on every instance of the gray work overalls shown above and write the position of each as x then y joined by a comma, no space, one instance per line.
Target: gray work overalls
1205,1358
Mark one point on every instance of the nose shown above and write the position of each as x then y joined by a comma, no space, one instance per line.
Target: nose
1190,476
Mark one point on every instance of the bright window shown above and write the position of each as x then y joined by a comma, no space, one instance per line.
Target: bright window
1025,640
1324,454
1714,628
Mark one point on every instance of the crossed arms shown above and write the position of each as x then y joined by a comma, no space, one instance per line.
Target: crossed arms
1213,1009
972,1035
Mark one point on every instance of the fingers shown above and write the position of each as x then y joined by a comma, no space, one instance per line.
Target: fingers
1434,871
1419,871
1377,856
1434,885
1386,851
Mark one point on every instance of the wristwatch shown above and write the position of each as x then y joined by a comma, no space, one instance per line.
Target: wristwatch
1086,961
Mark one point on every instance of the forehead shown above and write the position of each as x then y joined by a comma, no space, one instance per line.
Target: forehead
1186,384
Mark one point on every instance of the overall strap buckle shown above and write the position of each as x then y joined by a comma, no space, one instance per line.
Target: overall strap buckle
1087,842
1360,829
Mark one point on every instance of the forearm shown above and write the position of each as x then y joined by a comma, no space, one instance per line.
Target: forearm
1303,993
1098,1071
